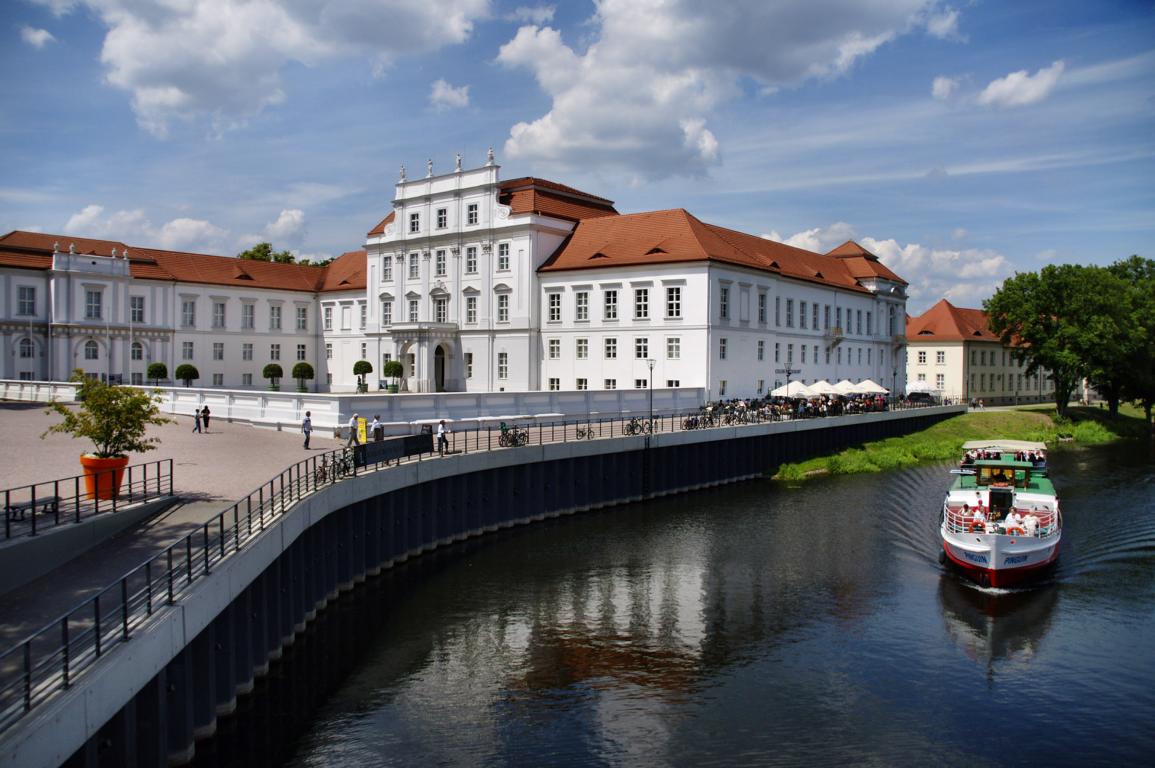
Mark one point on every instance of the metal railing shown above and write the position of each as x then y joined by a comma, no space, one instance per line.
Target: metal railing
1045,522
33,509
50,660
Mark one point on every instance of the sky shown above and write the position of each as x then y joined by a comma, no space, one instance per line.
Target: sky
960,141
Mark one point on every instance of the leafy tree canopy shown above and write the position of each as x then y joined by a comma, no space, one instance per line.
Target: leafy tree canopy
114,418
187,373
157,371
272,371
265,252
302,370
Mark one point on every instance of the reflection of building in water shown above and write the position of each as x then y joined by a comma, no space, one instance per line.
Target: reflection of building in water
992,628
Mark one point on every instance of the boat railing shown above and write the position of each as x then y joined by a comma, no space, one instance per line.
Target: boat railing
959,520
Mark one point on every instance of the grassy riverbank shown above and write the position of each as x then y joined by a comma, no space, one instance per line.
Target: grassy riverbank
1086,426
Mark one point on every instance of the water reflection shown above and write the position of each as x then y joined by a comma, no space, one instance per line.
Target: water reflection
993,627
750,625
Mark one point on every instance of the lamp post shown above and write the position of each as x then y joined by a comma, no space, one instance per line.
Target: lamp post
650,362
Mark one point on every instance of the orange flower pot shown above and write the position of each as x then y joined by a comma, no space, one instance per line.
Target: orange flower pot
102,477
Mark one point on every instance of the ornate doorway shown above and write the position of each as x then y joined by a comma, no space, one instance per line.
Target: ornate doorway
439,369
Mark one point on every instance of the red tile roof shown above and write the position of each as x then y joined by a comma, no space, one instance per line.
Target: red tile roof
380,228
33,250
346,272
946,322
862,263
532,195
672,236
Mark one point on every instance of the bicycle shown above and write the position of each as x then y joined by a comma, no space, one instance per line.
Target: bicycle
585,433
512,437
638,427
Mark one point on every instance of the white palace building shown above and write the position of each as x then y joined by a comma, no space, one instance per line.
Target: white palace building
475,284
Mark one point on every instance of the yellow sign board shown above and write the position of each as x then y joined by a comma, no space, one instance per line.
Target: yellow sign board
361,431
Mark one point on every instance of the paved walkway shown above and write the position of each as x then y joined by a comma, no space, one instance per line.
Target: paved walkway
210,471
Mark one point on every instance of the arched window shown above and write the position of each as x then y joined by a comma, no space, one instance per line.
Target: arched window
91,350
27,348
137,350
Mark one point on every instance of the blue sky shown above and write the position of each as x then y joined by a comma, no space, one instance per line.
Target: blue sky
961,141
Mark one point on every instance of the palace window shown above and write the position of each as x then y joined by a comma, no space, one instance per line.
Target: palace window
248,314
247,351
641,303
610,384
414,222
582,349
802,314
274,318
790,313
274,351
471,214
471,309
27,349
92,305
186,349
414,267
441,309
673,347
188,314
439,262
673,301
218,350
554,307
554,349
26,300
302,318
137,351
471,260
611,304
386,313
136,309
721,349
503,307
581,306
502,256
442,218
641,348
611,348
761,349
413,307
503,365
218,314
724,303
302,351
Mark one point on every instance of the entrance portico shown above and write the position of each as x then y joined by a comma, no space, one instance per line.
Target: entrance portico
431,354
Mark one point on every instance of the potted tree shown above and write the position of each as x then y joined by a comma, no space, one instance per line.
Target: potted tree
361,369
156,372
272,372
393,369
302,372
187,373
115,419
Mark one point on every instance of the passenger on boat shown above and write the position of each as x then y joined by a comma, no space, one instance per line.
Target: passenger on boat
1031,524
1013,525
978,519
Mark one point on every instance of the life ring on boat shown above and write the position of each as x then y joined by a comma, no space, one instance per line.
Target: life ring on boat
1016,531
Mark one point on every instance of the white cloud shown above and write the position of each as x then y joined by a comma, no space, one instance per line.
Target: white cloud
537,15
944,87
943,25
818,239
444,96
964,276
37,38
133,227
1020,88
639,96
286,233
183,60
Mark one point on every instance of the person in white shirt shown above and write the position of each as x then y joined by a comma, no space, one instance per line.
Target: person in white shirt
442,438
375,428
352,432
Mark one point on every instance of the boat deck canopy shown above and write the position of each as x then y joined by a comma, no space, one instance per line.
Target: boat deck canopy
1006,445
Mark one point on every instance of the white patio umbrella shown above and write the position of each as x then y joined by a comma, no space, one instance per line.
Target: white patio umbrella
823,387
844,387
918,386
868,387
792,389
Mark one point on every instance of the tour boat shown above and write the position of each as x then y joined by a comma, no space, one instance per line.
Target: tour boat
1001,523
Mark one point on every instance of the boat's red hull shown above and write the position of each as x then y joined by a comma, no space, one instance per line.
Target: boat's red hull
1000,577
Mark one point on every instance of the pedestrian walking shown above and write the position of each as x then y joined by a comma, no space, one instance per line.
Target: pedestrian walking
307,427
205,417
352,432
376,429
442,438
197,420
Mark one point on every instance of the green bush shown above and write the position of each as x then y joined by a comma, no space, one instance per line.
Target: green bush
187,373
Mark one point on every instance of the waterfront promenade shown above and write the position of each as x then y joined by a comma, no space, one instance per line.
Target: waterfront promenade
210,471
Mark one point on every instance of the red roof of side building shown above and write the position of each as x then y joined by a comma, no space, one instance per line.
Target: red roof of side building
346,272
946,322
675,235
33,250
862,263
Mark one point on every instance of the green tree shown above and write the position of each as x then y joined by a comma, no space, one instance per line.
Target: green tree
1138,274
1060,320
156,372
302,372
393,369
114,418
361,369
272,372
265,252
187,373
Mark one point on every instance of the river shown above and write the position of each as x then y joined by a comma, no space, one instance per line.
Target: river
749,625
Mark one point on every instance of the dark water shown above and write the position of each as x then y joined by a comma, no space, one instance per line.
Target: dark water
758,625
